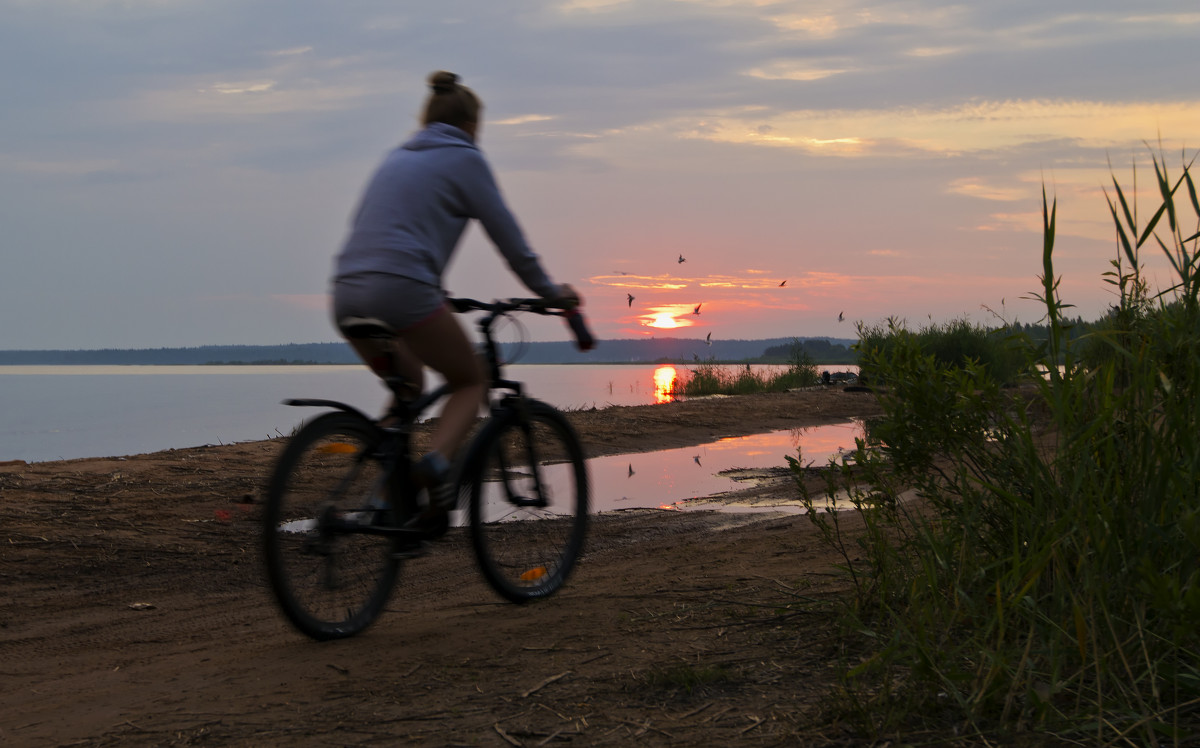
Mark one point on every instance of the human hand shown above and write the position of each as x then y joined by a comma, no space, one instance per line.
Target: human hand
568,296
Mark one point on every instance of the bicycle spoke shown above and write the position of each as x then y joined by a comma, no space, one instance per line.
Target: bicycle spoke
528,501
330,578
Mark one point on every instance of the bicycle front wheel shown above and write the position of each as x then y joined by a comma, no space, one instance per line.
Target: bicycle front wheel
330,575
528,487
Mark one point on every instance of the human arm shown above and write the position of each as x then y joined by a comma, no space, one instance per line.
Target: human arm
487,205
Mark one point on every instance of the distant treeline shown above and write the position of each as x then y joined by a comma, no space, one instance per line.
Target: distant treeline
647,350
629,351
817,350
308,353
671,350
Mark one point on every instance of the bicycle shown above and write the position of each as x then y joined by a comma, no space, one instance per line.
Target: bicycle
342,511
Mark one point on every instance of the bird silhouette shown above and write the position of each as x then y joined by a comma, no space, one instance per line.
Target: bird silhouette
781,285
708,338
630,471
841,316
630,299
697,309
697,459
682,259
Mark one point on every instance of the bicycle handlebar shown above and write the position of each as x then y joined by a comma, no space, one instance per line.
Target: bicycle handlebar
552,307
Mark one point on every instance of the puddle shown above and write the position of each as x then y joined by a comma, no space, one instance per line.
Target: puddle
682,479
675,478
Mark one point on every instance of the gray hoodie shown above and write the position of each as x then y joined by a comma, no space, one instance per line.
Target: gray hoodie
417,205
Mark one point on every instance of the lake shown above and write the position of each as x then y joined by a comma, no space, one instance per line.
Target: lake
66,412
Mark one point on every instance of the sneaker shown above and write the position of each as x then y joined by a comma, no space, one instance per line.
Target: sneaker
431,521
433,472
434,522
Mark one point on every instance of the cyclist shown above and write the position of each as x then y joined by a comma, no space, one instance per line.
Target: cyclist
407,225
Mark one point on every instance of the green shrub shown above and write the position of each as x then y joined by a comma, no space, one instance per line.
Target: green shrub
954,344
714,379
1048,582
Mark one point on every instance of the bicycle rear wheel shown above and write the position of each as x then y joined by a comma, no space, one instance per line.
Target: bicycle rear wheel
329,577
528,487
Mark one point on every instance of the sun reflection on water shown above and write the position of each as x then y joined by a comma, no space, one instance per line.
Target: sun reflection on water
665,378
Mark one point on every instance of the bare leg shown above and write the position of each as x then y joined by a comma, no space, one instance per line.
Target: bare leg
441,343
402,361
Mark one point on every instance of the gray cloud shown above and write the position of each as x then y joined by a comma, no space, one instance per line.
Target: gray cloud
165,154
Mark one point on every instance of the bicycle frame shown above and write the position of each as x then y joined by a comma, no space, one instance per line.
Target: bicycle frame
406,412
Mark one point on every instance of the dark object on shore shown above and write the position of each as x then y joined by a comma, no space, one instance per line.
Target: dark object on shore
838,377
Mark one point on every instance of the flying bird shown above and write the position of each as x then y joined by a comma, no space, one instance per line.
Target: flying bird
697,459
697,309
781,285
841,316
630,471
682,259
708,338
630,299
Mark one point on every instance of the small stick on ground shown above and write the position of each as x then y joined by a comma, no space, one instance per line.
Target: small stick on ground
545,683
757,721
507,738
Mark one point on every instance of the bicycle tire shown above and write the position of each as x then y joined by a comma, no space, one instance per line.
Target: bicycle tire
527,552
328,583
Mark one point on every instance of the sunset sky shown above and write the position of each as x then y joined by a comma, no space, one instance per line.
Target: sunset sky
181,172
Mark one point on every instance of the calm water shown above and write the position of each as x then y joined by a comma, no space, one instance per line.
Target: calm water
682,478
668,478
65,412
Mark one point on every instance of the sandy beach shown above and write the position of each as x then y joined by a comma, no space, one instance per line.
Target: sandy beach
135,613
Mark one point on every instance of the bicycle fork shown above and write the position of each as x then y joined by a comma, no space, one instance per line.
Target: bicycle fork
538,500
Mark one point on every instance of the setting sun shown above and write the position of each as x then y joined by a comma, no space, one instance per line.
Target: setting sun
664,320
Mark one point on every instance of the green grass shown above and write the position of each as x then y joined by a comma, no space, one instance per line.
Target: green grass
956,344
1047,586
715,379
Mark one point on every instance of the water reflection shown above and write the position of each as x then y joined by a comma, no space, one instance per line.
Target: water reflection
667,478
665,378
664,478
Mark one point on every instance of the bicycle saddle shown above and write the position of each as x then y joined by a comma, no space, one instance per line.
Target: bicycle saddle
356,328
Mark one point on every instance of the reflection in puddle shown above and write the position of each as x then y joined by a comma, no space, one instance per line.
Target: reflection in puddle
665,478
676,478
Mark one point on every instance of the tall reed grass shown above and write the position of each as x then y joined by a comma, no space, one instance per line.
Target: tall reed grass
715,379
953,344
1046,583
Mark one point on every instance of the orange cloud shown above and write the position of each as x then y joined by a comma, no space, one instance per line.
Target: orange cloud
675,283
652,282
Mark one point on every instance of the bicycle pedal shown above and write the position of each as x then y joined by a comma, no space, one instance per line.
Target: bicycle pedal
415,550
434,523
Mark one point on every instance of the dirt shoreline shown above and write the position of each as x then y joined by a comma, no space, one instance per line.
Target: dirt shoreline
133,611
